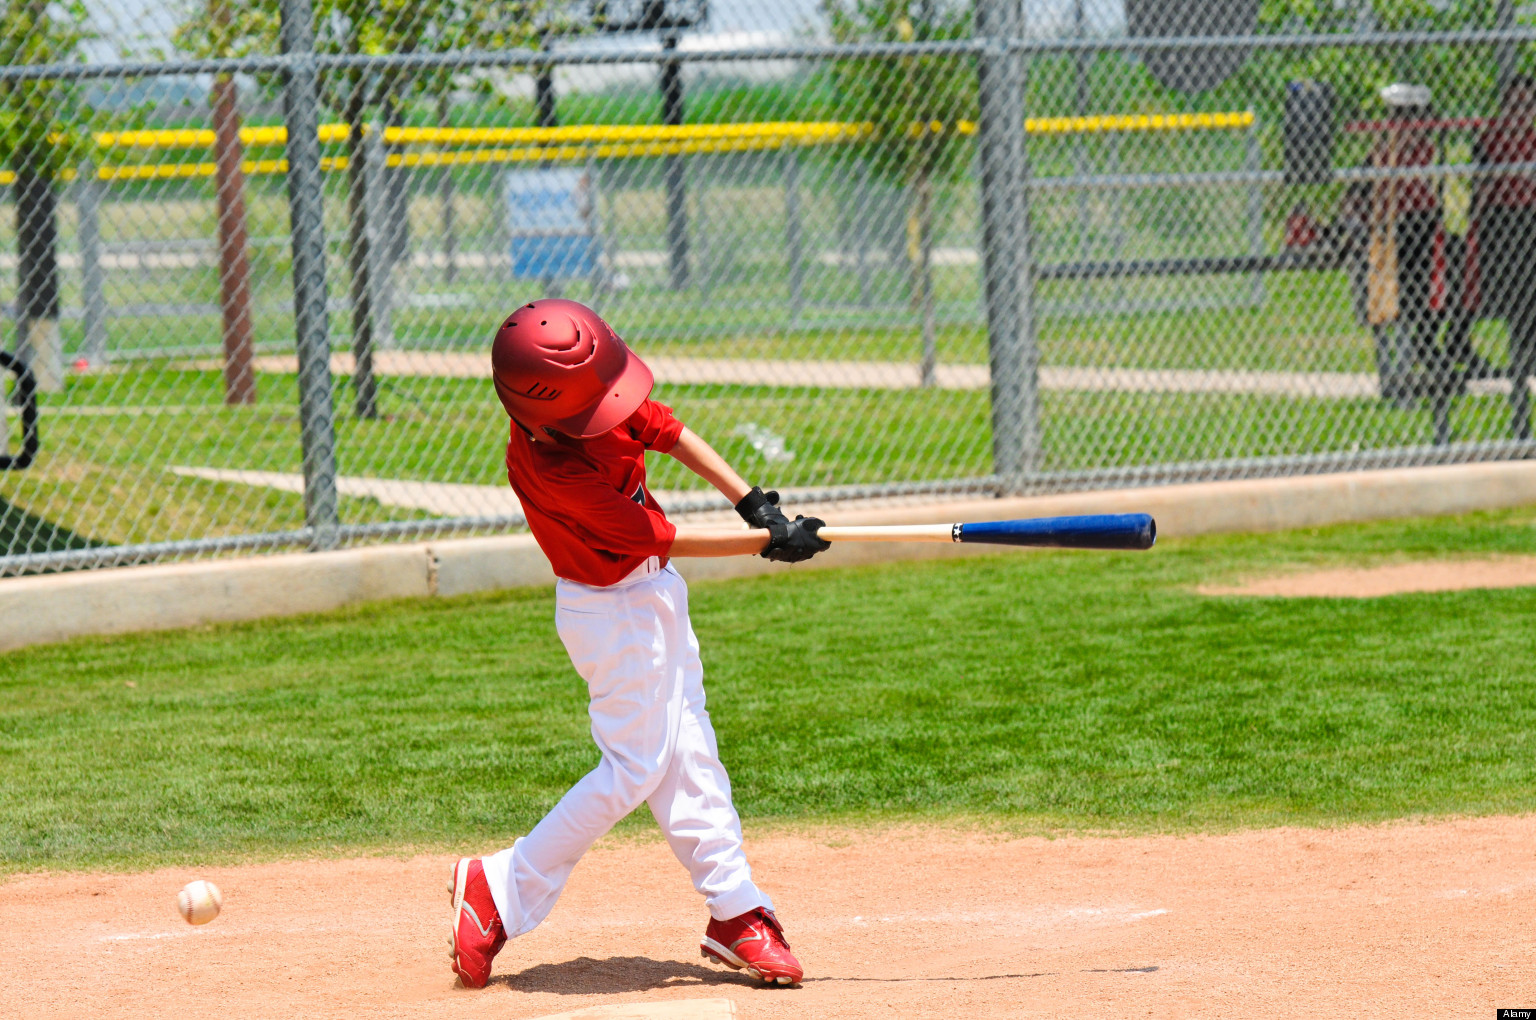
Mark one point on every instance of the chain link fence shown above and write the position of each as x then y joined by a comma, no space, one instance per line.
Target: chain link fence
252,252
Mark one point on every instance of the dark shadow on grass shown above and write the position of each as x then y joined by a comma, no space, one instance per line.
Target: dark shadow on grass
22,532
621,974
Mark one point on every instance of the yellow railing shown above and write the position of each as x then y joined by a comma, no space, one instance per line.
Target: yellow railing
802,132
1139,122
593,141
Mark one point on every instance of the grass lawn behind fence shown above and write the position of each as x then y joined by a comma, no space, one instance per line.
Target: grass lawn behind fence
1027,691
1304,322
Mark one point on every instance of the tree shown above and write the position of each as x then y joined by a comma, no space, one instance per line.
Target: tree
44,129
396,26
215,32
916,107
1462,79
374,27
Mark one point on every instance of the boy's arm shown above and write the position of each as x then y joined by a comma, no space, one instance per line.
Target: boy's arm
718,542
758,508
783,540
699,457
793,543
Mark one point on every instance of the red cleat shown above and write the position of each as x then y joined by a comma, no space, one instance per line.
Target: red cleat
753,942
477,932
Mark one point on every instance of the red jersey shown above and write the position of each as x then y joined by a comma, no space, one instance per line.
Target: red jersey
586,500
1509,143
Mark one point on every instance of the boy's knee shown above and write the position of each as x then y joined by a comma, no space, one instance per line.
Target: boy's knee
634,778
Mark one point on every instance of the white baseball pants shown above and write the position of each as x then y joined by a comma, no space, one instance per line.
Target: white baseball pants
635,648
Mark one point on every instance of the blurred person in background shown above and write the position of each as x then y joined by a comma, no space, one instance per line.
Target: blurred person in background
1503,246
1406,243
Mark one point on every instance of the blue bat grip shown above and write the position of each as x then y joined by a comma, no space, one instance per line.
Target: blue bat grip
1092,531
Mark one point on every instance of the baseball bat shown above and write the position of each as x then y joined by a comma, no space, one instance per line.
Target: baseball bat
1092,531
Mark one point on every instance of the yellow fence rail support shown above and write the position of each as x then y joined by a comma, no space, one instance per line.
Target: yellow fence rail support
594,141
801,132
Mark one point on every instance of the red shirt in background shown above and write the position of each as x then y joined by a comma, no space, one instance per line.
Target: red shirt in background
586,500
1414,194
1503,142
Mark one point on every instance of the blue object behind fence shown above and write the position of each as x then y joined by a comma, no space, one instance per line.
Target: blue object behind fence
550,221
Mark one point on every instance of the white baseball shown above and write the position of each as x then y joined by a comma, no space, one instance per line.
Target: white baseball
199,902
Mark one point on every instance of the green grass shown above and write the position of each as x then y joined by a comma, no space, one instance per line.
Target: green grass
1028,692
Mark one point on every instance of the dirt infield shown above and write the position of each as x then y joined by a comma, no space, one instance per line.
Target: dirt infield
1394,920
1393,579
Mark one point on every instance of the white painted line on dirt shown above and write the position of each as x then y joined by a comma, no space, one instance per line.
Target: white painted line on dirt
1109,914
1043,916
1501,890
147,935
681,1009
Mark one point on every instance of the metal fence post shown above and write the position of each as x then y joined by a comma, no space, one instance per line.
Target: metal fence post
861,227
673,166
700,169
603,272
311,324
544,88
362,242
794,254
1080,161
1506,56
93,296
1253,161
1008,271
38,340
382,221
445,196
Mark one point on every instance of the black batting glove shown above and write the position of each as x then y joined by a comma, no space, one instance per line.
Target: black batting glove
761,509
795,541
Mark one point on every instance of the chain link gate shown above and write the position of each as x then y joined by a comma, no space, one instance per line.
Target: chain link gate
253,252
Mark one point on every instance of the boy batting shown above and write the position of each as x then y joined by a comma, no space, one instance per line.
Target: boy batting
582,421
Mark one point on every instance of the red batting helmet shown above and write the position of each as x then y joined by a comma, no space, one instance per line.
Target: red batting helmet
557,364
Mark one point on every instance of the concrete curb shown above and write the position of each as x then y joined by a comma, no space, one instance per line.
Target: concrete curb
57,607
